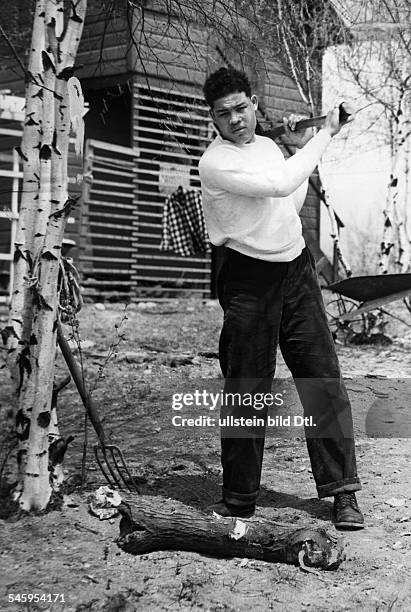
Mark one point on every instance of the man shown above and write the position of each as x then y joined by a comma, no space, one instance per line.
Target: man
269,291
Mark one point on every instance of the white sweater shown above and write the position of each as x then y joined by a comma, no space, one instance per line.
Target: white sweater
252,195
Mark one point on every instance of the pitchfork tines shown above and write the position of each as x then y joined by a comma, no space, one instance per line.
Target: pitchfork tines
117,475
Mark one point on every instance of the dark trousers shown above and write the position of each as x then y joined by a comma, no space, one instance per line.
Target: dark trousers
265,305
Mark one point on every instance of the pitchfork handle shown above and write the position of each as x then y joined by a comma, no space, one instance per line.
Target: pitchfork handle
78,379
306,123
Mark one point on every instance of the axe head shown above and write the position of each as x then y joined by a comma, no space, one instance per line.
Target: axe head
346,113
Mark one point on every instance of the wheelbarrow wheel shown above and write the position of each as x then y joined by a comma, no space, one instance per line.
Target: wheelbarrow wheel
343,331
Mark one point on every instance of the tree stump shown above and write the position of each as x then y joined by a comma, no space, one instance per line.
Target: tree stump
154,523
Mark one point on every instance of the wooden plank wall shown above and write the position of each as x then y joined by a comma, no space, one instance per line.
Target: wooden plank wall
170,131
162,86
106,250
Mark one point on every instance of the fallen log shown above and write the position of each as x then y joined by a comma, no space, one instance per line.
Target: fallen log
154,523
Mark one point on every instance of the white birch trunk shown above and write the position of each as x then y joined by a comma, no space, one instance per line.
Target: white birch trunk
47,211
395,247
20,310
388,243
403,252
334,233
407,238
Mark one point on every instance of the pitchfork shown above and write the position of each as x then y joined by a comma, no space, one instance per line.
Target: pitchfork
108,456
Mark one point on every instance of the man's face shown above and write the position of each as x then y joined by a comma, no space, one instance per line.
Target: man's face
234,117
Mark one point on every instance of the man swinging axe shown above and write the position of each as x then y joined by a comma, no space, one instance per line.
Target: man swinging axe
270,295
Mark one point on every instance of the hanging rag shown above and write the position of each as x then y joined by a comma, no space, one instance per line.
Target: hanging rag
183,225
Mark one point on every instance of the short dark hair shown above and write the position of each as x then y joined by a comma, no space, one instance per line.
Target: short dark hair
223,82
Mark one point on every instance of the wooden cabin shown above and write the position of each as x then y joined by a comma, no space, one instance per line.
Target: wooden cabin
146,127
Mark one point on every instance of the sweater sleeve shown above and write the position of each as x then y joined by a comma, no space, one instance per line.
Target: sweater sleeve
230,170
299,195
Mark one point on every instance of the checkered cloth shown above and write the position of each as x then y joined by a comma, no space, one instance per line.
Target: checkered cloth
183,225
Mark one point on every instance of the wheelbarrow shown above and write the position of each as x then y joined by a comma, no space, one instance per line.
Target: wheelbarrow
358,295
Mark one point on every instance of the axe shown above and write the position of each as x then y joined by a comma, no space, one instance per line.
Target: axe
278,131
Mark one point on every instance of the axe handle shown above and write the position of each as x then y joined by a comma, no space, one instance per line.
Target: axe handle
274,133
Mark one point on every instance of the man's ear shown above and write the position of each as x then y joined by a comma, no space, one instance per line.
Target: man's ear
254,101
211,112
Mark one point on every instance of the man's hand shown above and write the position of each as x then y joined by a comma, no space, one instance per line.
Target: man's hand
332,122
293,138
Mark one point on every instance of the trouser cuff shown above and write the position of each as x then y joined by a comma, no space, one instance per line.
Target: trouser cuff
239,499
349,485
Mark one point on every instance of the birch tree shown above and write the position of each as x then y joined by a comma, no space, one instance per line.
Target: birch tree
53,99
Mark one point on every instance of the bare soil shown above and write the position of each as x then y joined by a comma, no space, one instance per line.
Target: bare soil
166,349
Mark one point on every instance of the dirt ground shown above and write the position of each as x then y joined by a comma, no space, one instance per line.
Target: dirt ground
167,348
